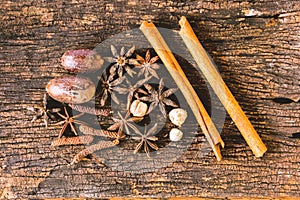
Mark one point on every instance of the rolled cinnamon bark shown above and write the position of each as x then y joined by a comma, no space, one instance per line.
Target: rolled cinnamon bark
210,72
167,57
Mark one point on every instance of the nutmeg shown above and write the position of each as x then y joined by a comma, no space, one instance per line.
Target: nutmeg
178,116
175,134
71,89
138,108
81,60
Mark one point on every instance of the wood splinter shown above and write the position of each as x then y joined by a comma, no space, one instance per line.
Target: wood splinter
167,57
209,70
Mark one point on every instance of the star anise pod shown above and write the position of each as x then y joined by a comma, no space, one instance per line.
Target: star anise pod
108,83
158,97
129,89
146,139
43,112
125,122
68,121
147,65
121,61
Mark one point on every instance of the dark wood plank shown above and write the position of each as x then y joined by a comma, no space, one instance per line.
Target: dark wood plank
256,46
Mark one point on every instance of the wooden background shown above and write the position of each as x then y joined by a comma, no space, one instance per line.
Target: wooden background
256,46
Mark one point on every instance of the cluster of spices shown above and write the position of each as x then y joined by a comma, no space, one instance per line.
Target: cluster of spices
142,98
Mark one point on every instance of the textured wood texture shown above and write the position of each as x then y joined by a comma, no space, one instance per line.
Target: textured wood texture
256,46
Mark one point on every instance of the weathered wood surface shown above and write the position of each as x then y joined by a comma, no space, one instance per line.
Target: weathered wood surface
256,46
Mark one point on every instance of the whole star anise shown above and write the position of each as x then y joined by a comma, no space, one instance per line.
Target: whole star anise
121,61
108,83
125,122
147,65
68,121
157,97
129,89
146,139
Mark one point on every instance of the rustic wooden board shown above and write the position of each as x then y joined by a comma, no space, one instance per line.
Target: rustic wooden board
256,46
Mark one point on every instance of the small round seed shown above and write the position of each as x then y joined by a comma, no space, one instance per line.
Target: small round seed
81,60
138,108
178,116
71,89
175,134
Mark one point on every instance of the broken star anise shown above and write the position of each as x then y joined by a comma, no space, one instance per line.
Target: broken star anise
121,61
43,112
147,65
146,139
158,97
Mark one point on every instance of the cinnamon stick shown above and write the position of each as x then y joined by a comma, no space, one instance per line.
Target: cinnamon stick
215,80
167,57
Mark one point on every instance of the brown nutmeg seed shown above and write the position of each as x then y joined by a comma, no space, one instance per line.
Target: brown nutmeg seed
71,89
81,60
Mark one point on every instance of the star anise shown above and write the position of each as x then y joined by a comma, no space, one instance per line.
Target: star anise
146,139
68,120
129,89
147,65
158,97
125,122
108,83
43,112
121,61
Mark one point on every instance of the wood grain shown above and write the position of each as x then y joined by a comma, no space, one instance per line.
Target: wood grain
254,44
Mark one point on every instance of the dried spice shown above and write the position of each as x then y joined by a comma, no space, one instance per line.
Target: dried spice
121,61
108,83
98,132
147,65
138,108
163,51
129,89
146,139
175,134
90,110
112,80
91,149
43,112
68,121
125,122
71,89
178,116
81,60
85,139
158,97
209,70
